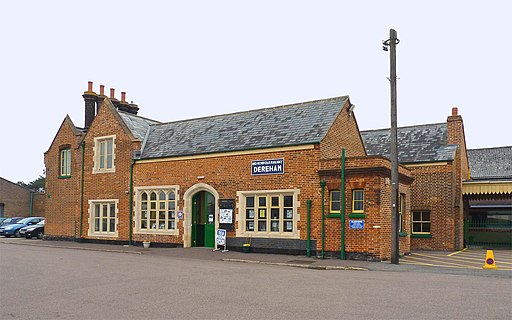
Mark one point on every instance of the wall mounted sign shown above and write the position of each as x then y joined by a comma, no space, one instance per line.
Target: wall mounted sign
226,214
269,166
356,224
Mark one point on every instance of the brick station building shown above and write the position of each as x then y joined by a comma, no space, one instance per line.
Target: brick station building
260,174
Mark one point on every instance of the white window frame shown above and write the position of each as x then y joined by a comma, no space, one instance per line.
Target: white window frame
97,156
92,206
422,222
241,215
65,162
138,209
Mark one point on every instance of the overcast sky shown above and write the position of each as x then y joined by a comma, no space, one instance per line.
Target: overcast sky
180,60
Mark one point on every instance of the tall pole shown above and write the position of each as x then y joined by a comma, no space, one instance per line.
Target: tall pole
395,251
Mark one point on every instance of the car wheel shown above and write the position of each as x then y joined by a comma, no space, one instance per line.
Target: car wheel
28,237
40,235
17,234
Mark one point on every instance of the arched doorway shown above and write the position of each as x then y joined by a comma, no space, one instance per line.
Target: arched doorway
203,219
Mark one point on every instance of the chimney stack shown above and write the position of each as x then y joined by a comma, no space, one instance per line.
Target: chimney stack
455,111
101,97
90,99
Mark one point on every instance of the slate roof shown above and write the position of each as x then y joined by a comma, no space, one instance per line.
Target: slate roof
137,125
287,125
421,143
490,163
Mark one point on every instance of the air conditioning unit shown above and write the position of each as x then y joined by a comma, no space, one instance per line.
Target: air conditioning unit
136,154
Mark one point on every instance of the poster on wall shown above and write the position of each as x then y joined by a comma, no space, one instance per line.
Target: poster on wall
225,215
226,212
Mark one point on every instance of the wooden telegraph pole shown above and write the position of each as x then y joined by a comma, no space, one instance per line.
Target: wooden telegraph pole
391,43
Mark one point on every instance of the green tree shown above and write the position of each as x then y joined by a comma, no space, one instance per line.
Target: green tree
36,185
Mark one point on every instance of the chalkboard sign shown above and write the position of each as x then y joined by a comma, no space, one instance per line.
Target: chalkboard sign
227,214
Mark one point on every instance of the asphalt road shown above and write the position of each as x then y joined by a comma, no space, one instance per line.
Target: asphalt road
57,283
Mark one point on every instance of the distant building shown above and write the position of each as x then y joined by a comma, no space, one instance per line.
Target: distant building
18,201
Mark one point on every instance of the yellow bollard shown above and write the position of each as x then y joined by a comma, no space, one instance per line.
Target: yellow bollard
489,261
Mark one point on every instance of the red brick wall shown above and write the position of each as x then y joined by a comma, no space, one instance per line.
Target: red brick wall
227,175
112,185
38,204
15,198
62,195
433,190
372,174
344,133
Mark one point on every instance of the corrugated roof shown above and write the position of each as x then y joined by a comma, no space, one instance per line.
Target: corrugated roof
287,125
421,143
137,125
490,163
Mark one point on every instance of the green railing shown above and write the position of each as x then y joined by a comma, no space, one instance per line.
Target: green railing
488,233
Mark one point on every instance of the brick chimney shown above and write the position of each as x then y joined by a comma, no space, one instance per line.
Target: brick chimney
90,98
101,97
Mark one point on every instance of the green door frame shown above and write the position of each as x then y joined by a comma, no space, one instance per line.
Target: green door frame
203,219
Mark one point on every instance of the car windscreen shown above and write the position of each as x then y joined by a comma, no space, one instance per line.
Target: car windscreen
24,221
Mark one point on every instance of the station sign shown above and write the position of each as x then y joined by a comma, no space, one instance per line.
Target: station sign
268,166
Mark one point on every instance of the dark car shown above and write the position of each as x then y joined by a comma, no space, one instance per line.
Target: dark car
35,230
10,221
14,229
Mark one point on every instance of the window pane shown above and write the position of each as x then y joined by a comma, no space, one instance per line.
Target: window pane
416,227
274,226
109,146
152,215
104,222
104,213
250,226
335,196
171,225
288,213
335,206
358,206
109,161
358,194
161,196
162,205
288,226
161,215
425,227
262,213
262,226
288,201
152,196
425,216
96,224
172,196
172,205
262,201
112,225
96,210
416,216
112,210
249,202
144,224
275,201
250,213
274,213
144,196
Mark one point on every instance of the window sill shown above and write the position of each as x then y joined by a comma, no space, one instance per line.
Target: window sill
421,235
64,177
357,215
403,234
333,215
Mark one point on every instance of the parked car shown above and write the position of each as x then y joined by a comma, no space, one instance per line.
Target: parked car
14,229
2,219
35,230
10,221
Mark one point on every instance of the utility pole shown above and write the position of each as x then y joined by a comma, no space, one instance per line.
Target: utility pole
391,43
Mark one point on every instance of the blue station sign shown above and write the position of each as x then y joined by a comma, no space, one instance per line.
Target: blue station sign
356,224
269,166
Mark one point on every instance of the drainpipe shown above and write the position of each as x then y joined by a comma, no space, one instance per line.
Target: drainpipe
31,203
322,185
342,248
82,192
130,241
308,203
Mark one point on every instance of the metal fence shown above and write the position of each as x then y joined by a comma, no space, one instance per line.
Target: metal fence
488,233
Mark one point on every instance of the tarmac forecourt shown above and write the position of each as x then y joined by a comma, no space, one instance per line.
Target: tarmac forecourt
463,259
